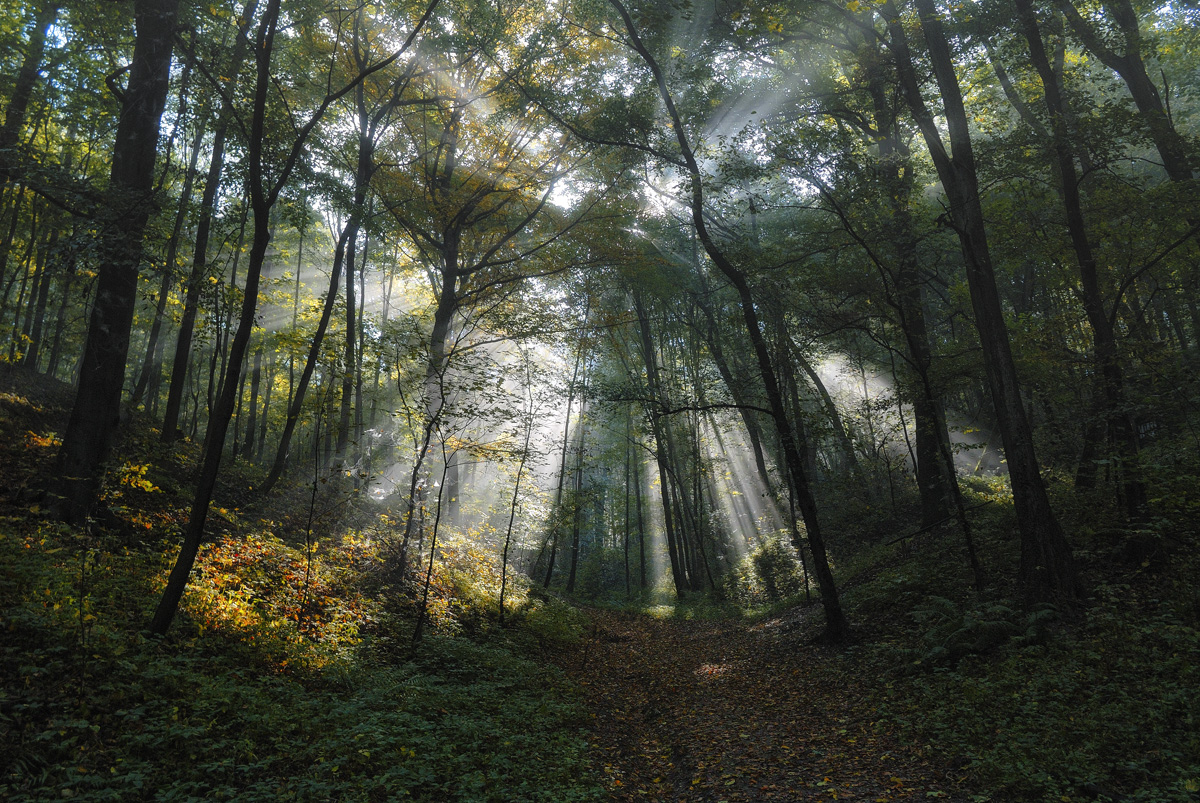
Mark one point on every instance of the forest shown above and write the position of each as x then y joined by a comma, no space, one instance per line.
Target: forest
586,400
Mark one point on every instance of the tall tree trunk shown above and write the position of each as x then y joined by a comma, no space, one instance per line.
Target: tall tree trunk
60,318
577,496
252,417
153,351
97,408
935,474
650,358
516,496
348,362
1047,568
18,103
266,409
1171,146
837,629
38,318
310,365
199,268
562,461
1111,375
262,199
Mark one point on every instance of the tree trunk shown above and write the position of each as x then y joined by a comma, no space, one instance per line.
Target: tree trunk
577,496
252,416
310,365
1172,148
837,629
661,457
149,362
1047,567
195,281
562,462
97,408
18,104
1111,375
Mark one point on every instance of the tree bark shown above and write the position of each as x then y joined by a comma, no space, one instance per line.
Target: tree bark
837,629
1172,148
18,103
1111,376
195,281
97,409
1047,568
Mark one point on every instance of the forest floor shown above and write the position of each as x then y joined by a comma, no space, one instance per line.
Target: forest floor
731,710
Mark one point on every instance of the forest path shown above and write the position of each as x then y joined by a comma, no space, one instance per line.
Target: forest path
730,711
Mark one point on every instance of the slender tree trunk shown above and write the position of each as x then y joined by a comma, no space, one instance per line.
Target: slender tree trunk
310,365
1047,567
1171,146
149,363
199,269
1111,375
348,361
650,358
251,418
18,103
266,408
577,497
837,628
262,199
625,529
60,318
516,496
562,462
38,308
6,244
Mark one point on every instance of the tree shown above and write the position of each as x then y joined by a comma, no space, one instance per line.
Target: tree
1047,567
837,628
97,408
264,192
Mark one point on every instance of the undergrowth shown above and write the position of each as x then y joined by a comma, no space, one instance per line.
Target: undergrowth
252,701
1096,700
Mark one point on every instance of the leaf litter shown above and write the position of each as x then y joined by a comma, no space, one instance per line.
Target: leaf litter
726,711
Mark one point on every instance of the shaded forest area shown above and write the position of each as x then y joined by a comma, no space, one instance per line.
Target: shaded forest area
599,400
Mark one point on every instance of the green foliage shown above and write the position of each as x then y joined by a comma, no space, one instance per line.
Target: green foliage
1041,704
1110,707
769,574
248,704
949,632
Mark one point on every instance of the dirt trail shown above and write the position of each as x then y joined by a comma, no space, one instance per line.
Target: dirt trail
723,711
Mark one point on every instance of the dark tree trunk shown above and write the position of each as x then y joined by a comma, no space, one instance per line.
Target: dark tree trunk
1172,147
252,417
153,350
199,268
1111,375
1047,567
577,496
837,628
262,199
310,365
266,409
562,464
60,318
650,358
18,104
50,259
97,408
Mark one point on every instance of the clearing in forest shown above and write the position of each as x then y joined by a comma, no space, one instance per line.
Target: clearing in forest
724,710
